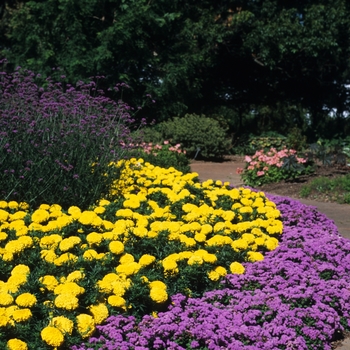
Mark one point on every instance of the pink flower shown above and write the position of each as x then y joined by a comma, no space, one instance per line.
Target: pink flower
239,171
166,142
260,173
248,159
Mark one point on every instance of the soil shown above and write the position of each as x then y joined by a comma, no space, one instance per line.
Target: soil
292,188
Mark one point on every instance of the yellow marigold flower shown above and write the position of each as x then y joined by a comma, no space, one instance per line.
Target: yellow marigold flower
69,243
6,299
64,324
259,241
20,269
74,211
188,207
90,254
146,260
3,236
213,275
271,243
97,222
108,225
237,268
128,269
64,258
219,240
206,228
19,215
16,344
255,256
228,215
126,258
26,300
127,213
246,210
52,336
221,271
87,217
14,247
99,210
39,216
219,226
188,241
250,238
50,282
140,232
195,260
116,247
239,244
133,203
200,237
12,287
117,301
75,276
3,215
99,312
13,205
236,206
69,288
21,315
17,279
158,284
104,202
94,238
50,241
3,204
158,295
276,229
195,226
169,264
66,301
48,255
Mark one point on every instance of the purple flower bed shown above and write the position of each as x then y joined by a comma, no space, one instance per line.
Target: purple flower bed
298,297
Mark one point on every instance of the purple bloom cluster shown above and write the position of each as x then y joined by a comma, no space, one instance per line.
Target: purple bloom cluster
297,298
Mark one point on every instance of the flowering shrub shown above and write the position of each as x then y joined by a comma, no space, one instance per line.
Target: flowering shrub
296,298
273,166
63,272
163,155
57,142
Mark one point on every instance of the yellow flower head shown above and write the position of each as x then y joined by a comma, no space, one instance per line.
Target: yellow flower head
52,336
99,312
26,300
237,268
146,260
66,301
21,315
64,324
17,344
158,295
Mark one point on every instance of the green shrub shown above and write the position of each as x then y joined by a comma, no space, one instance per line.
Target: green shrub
296,140
199,135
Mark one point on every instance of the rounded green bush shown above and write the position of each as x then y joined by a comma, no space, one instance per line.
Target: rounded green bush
199,135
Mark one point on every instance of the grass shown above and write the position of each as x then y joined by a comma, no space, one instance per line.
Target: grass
337,189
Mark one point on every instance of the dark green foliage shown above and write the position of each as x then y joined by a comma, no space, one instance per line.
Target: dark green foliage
296,140
278,60
199,135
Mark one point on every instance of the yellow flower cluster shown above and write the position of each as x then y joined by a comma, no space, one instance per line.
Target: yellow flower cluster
162,224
